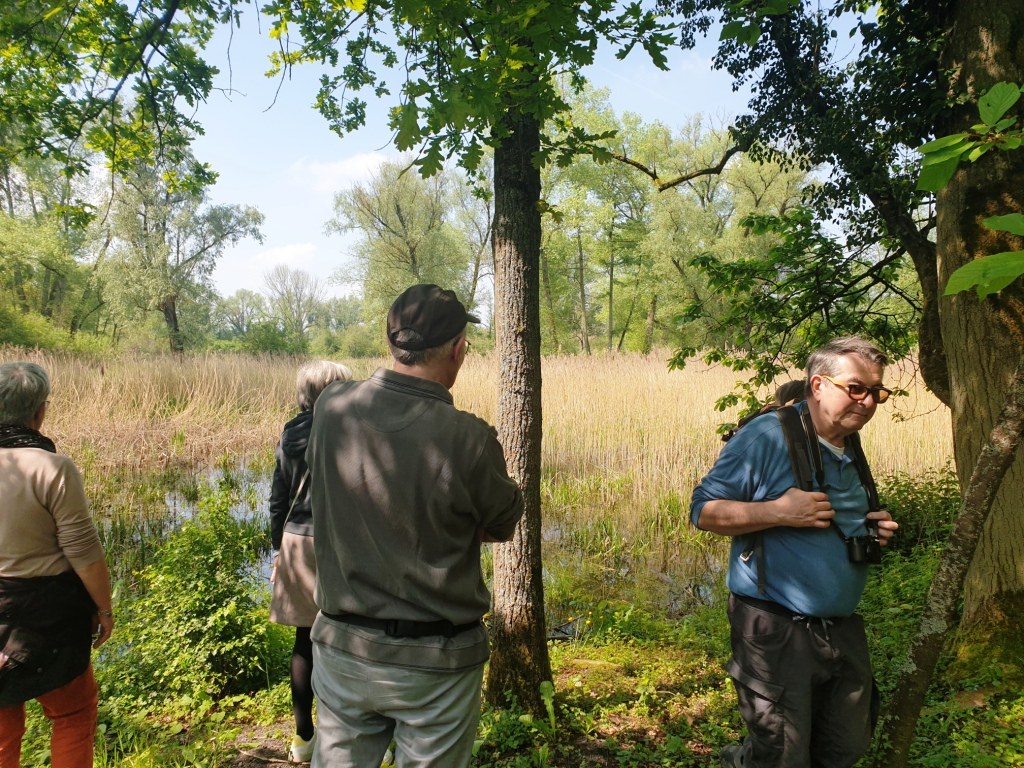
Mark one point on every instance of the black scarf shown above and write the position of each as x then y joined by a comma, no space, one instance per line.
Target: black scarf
19,436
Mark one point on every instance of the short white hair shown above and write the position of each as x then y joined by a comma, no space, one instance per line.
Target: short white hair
23,388
314,377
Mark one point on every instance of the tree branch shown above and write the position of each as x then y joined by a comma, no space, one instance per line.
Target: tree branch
661,185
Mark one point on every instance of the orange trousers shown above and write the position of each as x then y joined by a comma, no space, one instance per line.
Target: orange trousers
71,709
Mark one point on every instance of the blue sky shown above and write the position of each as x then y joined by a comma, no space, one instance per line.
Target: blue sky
279,156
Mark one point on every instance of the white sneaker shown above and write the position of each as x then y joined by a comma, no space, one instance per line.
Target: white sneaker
301,751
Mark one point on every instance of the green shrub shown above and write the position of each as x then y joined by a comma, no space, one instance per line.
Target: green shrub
925,507
198,629
30,329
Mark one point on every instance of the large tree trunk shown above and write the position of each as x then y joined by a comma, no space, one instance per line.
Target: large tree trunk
519,655
941,612
983,341
983,338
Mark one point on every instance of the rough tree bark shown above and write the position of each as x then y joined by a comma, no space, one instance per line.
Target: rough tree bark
983,338
982,341
169,309
519,654
941,613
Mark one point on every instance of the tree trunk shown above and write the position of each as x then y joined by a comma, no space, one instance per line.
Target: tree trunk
629,319
611,289
982,343
652,312
581,277
941,610
169,308
519,655
983,338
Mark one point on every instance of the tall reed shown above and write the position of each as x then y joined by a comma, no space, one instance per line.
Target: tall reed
623,427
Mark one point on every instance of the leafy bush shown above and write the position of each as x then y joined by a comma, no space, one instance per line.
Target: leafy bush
198,630
925,507
30,329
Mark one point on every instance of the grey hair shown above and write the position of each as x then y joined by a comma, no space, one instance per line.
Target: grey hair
314,377
425,356
24,387
824,360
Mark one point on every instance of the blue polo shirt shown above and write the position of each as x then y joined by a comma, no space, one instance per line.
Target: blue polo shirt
806,569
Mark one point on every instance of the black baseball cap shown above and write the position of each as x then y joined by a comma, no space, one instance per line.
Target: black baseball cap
425,316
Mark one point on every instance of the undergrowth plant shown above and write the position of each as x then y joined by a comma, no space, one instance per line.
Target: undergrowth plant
197,631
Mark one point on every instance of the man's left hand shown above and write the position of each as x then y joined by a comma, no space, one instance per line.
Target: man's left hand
885,525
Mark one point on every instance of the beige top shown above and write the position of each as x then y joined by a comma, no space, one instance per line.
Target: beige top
45,525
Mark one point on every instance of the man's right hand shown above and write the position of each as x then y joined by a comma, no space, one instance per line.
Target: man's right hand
793,509
805,509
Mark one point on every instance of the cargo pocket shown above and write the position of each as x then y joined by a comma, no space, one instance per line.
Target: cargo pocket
760,706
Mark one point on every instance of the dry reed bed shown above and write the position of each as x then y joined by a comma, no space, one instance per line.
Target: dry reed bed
618,421
629,417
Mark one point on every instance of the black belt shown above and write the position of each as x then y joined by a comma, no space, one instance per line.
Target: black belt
780,610
404,627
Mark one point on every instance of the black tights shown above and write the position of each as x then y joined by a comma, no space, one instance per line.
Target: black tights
302,683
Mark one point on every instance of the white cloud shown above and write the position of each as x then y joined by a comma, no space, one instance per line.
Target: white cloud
334,176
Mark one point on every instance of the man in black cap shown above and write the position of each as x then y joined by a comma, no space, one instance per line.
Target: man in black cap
405,488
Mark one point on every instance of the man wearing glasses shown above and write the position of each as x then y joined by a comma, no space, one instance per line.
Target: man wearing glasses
800,661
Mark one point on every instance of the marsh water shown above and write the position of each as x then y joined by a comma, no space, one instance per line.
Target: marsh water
591,561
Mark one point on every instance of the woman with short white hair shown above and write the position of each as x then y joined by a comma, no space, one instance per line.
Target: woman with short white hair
291,534
54,584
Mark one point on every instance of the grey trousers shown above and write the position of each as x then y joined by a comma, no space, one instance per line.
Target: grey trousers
362,705
804,687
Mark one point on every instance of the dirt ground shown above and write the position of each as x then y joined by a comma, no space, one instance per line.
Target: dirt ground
260,746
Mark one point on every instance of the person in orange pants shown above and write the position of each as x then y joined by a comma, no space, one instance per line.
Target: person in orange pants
55,603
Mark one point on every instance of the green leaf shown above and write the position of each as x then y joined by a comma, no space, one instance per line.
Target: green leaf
954,151
988,274
777,7
935,177
997,100
405,120
732,31
1010,222
977,152
941,143
751,35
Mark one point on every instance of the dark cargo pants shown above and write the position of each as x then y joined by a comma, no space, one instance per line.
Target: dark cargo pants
804,687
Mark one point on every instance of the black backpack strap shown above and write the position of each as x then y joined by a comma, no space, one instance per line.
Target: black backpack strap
864,470
803,447
804,460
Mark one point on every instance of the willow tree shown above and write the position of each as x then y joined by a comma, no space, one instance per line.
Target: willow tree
470,75
165,242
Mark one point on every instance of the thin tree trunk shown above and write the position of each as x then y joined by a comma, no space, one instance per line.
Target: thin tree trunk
549,299
941,610
581,278
652,311
519,657
611,288
625,326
